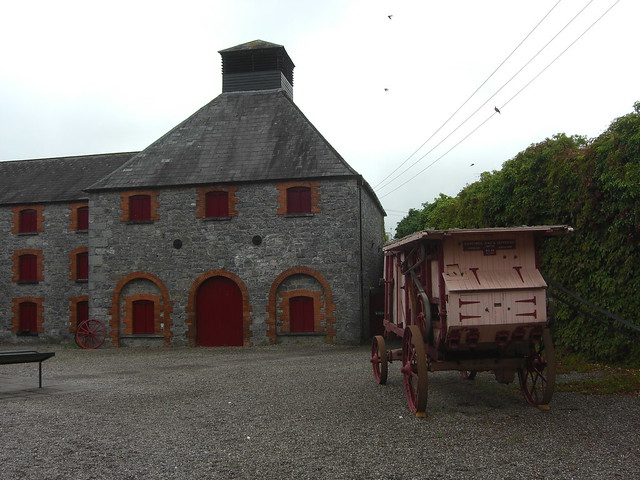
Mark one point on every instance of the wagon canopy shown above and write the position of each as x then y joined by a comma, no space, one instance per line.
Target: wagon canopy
414,238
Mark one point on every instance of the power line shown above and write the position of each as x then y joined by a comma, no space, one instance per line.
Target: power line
466,101
514,96
561,53
491,97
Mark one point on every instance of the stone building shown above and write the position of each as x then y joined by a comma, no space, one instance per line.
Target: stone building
240,226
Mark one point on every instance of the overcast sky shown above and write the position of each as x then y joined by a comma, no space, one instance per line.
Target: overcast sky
86,77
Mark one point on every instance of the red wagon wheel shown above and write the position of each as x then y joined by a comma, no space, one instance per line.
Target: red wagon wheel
414,370
538,377
379,359
91,334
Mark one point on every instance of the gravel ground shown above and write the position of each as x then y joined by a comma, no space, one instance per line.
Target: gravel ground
292,412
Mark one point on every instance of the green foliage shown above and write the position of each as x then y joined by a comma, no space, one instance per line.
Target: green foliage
592,185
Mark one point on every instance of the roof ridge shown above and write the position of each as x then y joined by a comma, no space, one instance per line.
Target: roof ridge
69,157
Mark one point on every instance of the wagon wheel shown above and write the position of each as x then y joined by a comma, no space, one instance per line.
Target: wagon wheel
414,370
422,315
379,359
90,334
538,376
468,374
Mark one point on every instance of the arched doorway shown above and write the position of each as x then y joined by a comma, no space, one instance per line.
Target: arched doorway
219,313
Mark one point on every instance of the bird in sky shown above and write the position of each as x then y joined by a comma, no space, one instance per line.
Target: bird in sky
496,109
389,16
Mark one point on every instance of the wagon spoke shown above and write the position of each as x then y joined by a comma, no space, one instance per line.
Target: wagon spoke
537,377
90,334
414,370
379,359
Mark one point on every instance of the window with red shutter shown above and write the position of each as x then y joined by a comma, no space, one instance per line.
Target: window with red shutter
301,314
82,312
140,208
217,205
82,266
28,268
28,317
28,221
143,317
298,200
83,218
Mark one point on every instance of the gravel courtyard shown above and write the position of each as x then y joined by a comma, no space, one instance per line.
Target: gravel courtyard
292,412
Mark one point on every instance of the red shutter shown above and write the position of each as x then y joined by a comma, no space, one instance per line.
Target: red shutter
82,312
28,268
28,221
301,314
298,200
82,266
143,317
217,205
139,208
83,218
28,317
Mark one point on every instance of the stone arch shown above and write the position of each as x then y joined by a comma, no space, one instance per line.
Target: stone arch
329,307
165,306
191,305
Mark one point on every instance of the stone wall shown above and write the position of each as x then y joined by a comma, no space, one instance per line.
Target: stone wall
334,255
256,246
56,289
372,257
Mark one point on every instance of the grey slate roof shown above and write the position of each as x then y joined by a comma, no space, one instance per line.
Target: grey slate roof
60,179
237,137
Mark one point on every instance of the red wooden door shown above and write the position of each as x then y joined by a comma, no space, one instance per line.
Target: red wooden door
301,314
28,317
143,317
219,313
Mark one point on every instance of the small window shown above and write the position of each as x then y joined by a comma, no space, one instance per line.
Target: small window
82,266
28,221
217,204
298,200
83,218
140,208
301,314
143,317
28,321
28,268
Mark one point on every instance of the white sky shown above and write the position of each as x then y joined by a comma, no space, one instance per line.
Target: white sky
86,77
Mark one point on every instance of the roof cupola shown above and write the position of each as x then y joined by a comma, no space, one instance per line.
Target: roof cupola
257,65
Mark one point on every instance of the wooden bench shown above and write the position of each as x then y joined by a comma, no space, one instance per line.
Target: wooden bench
26,356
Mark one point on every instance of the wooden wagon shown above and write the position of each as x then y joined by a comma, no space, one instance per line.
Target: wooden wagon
469,300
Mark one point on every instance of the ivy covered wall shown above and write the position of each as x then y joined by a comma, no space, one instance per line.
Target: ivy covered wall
592,185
